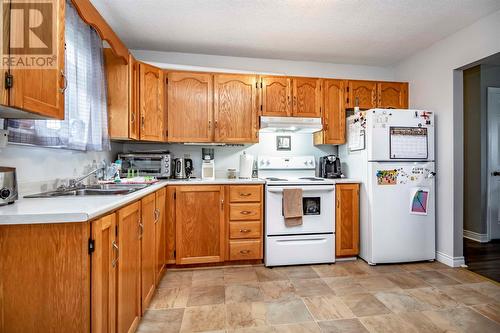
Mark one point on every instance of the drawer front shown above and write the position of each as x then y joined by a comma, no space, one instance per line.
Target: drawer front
244,211
244,250
245,193
244,229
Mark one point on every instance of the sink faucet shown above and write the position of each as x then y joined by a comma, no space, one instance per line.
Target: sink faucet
76,182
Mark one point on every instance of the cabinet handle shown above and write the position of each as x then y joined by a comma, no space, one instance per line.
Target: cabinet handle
246,212
215,124
245,251
143,120
63,89
245,194
117,250
338,203
245,230
295,100
209,125
222,204
157,215
141,227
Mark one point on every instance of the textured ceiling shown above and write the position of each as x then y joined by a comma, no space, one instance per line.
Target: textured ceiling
370,32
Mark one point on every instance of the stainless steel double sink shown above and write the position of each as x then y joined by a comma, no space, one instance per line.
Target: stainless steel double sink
99,189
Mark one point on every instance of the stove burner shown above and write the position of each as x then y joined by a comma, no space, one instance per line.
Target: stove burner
312,178
274,179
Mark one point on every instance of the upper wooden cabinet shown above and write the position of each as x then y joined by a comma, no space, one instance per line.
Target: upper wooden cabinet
347,220
235,108
190,107
392,95
306,97
333,113
362,94
200,233
151,103
276,96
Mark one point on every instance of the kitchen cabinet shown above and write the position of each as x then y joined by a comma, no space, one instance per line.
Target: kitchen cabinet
160,234
199,224
276,96
129,268
347,220
190,107
392,95
334,126
306,97
235,108
151,103
148,248
362,94
103,274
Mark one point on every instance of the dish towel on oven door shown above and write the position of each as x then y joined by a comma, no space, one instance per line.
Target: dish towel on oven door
292,206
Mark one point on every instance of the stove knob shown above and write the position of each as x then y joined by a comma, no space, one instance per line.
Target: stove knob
4,193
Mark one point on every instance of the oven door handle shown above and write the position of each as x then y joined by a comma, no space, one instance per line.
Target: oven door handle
304,189
303,240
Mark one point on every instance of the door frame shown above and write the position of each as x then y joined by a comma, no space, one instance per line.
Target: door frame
489,217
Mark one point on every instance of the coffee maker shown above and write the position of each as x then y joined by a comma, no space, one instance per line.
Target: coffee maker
329,167
208,164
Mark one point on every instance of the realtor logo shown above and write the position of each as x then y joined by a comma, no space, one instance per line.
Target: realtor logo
29,34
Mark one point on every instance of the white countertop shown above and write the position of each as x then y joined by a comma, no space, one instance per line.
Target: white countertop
86,208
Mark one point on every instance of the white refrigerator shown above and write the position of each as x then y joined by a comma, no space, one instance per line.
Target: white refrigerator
392,153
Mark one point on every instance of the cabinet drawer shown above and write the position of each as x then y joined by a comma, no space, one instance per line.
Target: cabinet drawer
244,250
244,211
244,193
244,229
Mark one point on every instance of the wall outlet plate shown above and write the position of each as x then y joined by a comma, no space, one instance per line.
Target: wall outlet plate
4,136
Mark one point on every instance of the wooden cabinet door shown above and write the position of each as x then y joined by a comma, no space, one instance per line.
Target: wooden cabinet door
306,97
160,234
36,90
199,224
362,92
190,107
129,268
103,279
334,111
347,220
148,249
276,96
392,95
235,108
151,103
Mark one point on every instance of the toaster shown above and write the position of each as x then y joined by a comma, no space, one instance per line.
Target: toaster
8,185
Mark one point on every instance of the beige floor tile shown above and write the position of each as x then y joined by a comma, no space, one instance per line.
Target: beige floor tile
289,312
241,293
342,326
267,274
298,272
334,270
260,329
240,275
424,266
387,268
462,319
166,298
364,305
420,322
377,283
204,318
208,277
488,288
491,311
311,287
356,268
462,275
161,321
206,295
393,323
327,308
433,298
176,279
241,315
435,278
278,291
406,280
399,301
344,285
466,295
297,328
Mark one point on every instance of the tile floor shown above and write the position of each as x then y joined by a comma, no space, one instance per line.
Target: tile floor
345,297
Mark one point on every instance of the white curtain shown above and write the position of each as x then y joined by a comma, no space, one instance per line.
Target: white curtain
85,124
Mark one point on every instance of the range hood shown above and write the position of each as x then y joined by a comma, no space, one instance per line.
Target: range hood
290,124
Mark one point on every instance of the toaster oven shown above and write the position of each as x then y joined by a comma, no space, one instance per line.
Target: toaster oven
158,165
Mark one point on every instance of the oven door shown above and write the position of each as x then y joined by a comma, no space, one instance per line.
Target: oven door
319,210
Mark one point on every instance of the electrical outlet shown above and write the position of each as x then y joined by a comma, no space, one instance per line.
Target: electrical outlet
4,135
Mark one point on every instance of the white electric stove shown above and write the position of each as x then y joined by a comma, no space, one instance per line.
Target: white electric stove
314,240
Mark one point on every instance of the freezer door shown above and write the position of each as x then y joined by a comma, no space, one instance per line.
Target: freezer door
401,212
399,135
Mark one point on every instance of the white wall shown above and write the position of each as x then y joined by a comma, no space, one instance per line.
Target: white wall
436,86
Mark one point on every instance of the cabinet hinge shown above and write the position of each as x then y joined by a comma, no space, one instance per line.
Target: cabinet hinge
91,246
9,80
257,85
261,107
166,80
174,254
116,230
175,195
347,89
261,85
347,100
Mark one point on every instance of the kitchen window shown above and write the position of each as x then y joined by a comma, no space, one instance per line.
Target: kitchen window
85,124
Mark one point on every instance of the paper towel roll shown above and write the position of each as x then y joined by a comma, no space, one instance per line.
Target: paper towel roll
246,165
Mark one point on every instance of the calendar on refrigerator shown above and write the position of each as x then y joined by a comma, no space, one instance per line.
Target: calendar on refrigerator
408,143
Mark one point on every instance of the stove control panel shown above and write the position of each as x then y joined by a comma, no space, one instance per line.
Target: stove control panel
286,163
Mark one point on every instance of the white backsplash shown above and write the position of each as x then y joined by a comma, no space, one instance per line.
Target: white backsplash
228,156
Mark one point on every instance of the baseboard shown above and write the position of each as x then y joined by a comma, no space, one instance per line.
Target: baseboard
477,237
450,261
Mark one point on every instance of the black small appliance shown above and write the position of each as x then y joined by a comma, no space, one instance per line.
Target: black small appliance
329,167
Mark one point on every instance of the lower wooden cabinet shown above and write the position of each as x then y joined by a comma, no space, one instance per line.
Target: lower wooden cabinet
347,220
148,249
160,234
